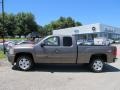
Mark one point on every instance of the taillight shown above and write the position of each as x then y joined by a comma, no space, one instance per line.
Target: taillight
114,51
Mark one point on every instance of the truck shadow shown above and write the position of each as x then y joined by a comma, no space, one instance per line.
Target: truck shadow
110,68
69,68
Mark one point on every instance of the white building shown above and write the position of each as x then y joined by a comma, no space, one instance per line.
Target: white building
91,31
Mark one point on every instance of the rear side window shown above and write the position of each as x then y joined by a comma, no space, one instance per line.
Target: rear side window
67,41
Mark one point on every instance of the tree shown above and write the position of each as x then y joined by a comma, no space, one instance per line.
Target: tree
61,23
9,24
1,25
78,24
20,24
25,24
42,31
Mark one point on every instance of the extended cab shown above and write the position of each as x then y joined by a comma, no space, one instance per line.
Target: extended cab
57,49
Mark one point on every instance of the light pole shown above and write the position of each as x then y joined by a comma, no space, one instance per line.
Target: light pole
3,17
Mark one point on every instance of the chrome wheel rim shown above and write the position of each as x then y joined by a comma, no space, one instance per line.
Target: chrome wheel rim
98,65
24,63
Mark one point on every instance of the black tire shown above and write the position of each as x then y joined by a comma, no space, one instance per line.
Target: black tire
24,62
96,65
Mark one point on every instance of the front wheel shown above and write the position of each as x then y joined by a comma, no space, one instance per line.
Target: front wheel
24,63
97,65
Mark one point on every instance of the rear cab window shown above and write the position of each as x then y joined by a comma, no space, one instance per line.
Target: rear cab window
67,41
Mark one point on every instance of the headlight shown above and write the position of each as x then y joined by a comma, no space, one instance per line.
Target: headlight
11,51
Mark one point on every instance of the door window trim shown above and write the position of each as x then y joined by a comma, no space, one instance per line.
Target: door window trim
71,39
52,37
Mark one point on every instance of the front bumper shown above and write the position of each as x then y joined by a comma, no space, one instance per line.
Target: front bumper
11,58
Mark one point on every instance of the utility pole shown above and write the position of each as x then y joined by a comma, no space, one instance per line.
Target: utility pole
3,23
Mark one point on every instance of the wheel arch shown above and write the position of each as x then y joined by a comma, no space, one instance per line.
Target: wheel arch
24,54
100,55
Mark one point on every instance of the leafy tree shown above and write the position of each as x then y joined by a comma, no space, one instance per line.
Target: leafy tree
9,24
1,25
61,23
20,24
42,31
78,24
25,24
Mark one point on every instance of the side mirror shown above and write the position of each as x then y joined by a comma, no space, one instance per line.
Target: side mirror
42,44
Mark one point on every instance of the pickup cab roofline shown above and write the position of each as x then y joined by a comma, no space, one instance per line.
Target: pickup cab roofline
62,35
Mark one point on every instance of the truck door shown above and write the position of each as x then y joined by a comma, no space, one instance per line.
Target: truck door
57,50
68,50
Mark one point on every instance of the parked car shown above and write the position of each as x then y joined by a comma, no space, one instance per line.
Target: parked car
85,42
111,41
80,42
1,46
117,41
55,49
25,42
9,44
101,41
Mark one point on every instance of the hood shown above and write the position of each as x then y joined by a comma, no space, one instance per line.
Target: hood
24,46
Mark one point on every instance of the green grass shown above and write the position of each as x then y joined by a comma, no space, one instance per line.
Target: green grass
13,39
2,55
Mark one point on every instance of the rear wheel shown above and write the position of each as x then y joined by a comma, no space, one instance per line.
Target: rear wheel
97,65
24,63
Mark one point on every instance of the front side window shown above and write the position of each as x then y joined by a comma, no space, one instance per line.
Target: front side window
67,41
52,41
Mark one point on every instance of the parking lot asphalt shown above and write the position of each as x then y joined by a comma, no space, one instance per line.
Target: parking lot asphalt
62,77
52,77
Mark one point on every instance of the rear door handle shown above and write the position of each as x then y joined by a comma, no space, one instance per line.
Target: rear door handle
57,51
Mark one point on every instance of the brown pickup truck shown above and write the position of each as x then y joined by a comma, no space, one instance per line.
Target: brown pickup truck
57,49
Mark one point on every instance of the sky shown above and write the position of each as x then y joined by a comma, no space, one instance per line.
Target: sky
85,11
